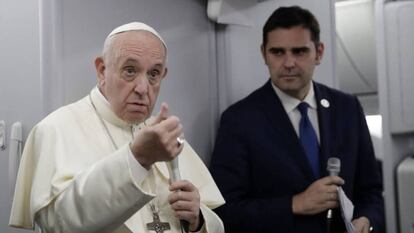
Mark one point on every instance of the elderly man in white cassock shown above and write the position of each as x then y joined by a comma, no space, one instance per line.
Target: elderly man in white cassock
101,164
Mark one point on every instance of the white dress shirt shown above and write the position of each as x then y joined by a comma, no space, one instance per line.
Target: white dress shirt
290,105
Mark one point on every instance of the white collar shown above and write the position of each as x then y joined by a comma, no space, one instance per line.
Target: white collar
290,103
104,109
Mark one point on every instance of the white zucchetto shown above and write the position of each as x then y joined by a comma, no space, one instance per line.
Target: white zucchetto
135,26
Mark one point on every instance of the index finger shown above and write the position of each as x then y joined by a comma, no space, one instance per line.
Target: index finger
162,115
183,185
333,180
170,123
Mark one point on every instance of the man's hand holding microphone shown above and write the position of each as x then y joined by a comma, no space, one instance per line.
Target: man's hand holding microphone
320,196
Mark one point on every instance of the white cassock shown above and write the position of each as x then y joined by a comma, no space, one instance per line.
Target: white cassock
73,179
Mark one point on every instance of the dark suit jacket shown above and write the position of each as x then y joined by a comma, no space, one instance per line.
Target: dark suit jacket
259,164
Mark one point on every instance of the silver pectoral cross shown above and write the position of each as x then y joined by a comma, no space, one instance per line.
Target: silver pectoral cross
156,225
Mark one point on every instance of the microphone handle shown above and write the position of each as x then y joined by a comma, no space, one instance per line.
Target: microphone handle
185,225
175,176
329,213
328,221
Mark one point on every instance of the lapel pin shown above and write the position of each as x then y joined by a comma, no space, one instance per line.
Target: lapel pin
325,103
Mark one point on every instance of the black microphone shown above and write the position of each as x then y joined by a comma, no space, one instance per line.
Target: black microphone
175,176
333,167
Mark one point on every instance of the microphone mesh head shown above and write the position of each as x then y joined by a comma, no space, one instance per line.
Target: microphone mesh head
333,166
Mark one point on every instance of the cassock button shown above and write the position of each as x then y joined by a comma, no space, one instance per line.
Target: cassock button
325,103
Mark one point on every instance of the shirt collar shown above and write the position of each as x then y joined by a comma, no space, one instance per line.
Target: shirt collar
290,103
104,109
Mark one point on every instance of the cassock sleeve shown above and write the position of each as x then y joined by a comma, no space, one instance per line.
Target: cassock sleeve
98,199
212,223
194,170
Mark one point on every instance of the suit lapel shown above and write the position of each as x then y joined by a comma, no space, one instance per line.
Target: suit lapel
324,103
280,122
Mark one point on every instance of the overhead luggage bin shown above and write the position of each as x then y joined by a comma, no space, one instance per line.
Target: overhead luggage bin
399,31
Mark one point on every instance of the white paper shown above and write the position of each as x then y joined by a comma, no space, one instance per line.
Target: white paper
347,210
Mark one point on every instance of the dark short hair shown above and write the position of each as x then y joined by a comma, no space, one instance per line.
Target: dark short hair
288,17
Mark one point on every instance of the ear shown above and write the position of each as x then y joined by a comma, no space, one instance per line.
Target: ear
100,70
263,52
320,48
165,72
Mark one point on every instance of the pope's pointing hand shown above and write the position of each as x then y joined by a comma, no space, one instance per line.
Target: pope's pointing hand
158,142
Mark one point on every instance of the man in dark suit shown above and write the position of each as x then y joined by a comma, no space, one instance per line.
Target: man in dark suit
272,147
